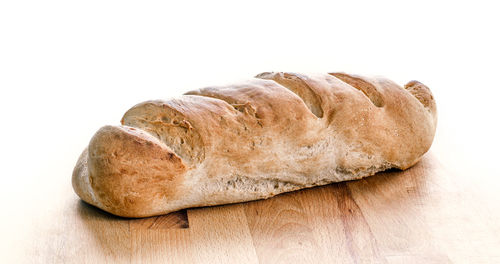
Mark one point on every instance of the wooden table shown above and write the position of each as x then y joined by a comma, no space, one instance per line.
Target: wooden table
422,215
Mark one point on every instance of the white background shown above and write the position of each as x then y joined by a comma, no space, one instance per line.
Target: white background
69,67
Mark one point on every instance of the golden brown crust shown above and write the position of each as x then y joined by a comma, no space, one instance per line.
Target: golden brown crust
275,133
129,169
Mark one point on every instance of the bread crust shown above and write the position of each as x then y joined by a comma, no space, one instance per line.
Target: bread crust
275,133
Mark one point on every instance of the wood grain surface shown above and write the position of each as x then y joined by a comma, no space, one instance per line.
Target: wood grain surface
421,215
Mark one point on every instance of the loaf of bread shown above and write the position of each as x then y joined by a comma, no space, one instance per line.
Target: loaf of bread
275,133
